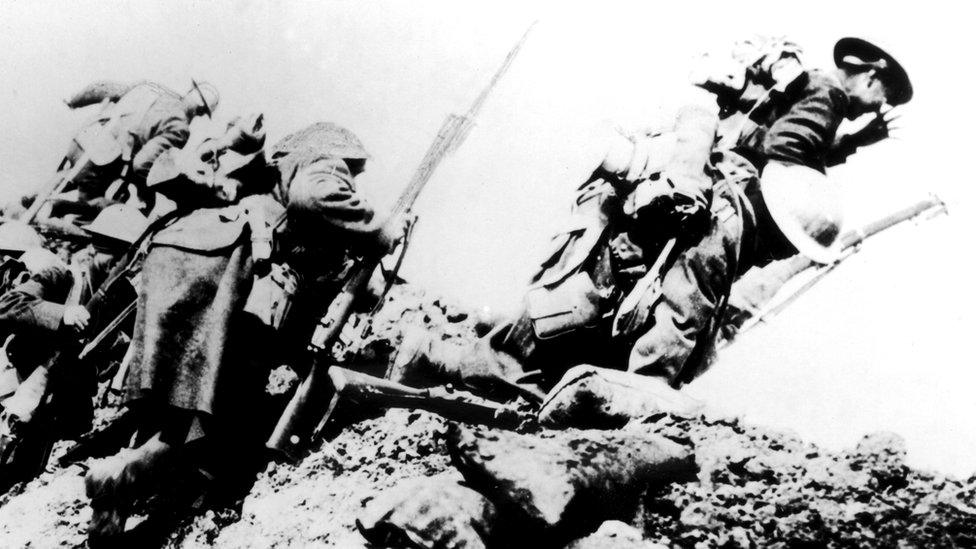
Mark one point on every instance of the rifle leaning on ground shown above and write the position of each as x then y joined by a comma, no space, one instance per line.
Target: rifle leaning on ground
850,244
445,401
295,418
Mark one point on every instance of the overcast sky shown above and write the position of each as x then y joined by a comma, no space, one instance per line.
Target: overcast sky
884,343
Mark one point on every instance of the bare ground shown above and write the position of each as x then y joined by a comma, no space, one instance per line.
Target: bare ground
755,487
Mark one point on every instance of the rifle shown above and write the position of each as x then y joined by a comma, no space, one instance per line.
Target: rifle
850,244
452,133
33,391
57,184
110,329
444,401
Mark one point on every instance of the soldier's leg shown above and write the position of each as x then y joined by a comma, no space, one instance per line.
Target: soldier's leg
693,295
495,363
757,288
113,484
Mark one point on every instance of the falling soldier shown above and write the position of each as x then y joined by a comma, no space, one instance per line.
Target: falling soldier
793,124
770,200
649,195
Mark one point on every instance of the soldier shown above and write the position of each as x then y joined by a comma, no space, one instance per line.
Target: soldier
668,331
746,74
32,313
790,206
15,239
250,238
46,313
650,197
113,154
798,128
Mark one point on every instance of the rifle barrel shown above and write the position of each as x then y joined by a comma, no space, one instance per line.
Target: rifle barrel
453,132
450,136
849,241
855,237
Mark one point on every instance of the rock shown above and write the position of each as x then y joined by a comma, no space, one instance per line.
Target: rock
598,398
566,482
429,512
614,534
282,380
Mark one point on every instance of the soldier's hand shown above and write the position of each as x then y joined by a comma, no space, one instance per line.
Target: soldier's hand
76,316
651,155
878,128
395,230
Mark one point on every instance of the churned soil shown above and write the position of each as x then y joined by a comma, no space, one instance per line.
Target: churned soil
755,487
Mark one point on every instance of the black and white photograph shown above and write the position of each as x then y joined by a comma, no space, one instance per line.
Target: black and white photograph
486,275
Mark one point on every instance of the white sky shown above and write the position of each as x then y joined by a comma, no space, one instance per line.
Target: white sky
884,343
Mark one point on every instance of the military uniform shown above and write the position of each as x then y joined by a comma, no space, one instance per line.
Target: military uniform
33,311
199,273
48,402
668,331
792,125
147,120
594,299
201,352
797,126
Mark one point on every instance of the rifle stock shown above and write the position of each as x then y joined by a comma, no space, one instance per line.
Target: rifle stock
292,419
447,402
285,437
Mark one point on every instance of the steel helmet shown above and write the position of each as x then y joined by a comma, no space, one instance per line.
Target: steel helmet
38,260
119,222
16,236
208,95
322,138
807,208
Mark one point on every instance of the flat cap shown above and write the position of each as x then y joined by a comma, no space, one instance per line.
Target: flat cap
890,70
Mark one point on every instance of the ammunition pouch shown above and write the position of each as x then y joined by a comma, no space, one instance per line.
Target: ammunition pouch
271,295
263,216
275,282
569,305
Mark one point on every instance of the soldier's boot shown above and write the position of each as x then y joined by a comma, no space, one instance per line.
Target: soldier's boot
114,483
425,360
26,401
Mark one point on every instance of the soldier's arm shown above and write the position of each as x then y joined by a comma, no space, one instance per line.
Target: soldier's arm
694,129
172,130
805,134
30,304
324,190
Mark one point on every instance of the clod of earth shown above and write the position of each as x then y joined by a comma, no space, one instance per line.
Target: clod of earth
429,512
567,481
755,487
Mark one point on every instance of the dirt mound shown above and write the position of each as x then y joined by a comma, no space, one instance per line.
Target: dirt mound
758,487
755,487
